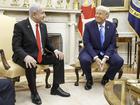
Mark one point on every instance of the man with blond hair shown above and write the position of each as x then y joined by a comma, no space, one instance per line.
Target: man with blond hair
99,46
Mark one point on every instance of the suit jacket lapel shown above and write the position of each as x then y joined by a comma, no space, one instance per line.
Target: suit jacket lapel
97,33
42,33
30,31
107,27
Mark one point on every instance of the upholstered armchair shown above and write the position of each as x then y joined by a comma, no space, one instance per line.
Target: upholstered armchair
94,68
8,68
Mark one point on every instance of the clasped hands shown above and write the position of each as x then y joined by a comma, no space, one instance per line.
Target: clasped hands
101,63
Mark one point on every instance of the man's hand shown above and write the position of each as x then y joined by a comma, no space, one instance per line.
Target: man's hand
103,63
30,61
98,61
59,54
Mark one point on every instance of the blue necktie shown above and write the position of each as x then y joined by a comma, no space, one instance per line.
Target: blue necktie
102,38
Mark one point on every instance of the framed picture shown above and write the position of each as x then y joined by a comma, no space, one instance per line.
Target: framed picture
115,5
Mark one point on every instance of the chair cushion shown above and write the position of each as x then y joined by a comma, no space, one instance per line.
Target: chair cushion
15,70
41,68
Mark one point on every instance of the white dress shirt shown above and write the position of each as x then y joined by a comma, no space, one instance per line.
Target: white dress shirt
99,26
33,25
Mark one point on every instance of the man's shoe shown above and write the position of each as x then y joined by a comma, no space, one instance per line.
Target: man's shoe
59,92
104,80
36,99
88,84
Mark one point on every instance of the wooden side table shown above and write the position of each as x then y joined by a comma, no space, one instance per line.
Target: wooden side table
128,40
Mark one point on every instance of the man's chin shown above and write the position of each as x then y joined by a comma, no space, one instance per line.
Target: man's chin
98,21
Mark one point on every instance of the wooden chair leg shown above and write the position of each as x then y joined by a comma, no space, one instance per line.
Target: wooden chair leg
82,73
14,90
46,78
120,73
77,76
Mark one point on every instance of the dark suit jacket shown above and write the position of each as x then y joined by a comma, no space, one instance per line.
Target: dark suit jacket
91,39
24,41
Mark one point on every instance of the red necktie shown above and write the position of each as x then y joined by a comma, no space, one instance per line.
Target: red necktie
39,56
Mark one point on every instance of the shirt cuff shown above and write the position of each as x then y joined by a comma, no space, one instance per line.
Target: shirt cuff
55,50
95,57
106,57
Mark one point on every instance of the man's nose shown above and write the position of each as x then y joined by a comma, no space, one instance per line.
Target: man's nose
96,15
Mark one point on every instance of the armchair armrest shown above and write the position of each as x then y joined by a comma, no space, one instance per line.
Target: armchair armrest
3,59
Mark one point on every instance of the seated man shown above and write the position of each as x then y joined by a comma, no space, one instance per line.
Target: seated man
7,92
30,41
99,46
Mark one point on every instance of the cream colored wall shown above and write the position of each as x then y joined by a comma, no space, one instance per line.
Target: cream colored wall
122,17
6,32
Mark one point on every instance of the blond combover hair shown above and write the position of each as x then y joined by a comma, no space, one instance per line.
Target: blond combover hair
103,8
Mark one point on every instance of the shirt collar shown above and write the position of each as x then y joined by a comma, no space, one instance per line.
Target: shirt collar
102,25
32,22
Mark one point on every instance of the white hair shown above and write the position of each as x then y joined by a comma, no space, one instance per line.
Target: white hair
34,8
103,8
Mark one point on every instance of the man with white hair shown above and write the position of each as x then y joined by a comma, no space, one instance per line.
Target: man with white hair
99,46
30,41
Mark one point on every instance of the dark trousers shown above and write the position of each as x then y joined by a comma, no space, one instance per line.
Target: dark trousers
115,63
7,93
58,71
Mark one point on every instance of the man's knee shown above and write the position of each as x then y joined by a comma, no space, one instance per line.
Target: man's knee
118,62
59,61
84,60
121,61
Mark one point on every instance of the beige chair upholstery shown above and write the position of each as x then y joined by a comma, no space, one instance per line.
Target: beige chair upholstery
14,71
94,68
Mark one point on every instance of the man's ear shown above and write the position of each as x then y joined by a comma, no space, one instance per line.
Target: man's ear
107,16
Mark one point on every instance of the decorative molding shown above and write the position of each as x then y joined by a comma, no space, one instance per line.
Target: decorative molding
127,34
46,10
